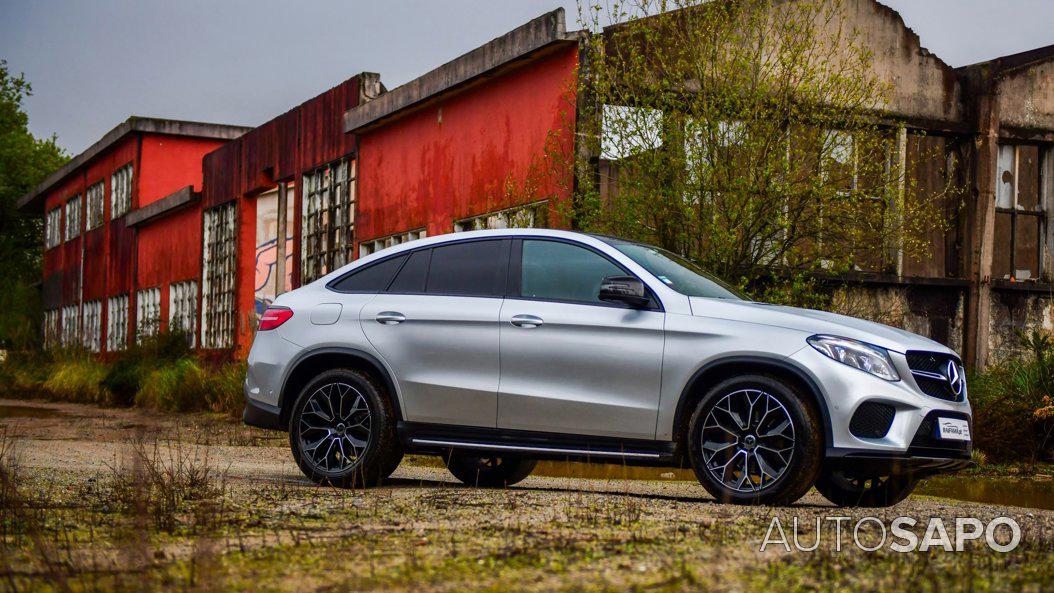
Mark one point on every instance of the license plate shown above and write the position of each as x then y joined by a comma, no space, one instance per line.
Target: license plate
953,429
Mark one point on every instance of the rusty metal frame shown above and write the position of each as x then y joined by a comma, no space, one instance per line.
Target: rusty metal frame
218,276
328,218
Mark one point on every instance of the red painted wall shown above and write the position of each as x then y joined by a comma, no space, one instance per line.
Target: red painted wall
283,149
170,163
454,158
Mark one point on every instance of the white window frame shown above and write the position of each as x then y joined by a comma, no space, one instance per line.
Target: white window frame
71,327
91,334
183,308
117,323
53,227
52,328
73,218
218,273
93,205
121,191
368,247
147,313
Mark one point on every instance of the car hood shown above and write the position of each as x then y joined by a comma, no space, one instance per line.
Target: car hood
811,321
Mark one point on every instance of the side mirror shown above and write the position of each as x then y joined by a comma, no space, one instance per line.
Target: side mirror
626,290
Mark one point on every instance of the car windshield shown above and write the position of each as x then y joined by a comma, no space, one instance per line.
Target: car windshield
675,271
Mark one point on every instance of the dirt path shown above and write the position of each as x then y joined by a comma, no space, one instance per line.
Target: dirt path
424,532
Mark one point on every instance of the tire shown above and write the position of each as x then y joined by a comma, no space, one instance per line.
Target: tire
781,447
864,491
363,428
488,471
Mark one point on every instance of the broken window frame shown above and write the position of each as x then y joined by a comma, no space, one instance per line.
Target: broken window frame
328,218
147,313
121,191
117,323
91,333
93,205
53,227
375,245
218,274
183,309
52,328
1014,208
70,326
73,218
527,216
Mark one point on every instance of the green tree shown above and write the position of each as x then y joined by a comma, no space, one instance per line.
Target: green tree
24,162
747,135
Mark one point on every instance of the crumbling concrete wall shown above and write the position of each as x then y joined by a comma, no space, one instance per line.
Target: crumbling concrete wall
923,86
1013,311
1026,97
934,312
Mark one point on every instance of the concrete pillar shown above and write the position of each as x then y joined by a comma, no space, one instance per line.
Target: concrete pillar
980,219
279,267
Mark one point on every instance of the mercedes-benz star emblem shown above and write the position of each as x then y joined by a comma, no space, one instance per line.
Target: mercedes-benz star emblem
955,380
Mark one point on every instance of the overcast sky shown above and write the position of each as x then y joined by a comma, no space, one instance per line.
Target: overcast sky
93,63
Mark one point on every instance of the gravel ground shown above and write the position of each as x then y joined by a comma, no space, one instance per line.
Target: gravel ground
251,522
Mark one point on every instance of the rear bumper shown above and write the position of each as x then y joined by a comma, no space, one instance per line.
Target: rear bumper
262,415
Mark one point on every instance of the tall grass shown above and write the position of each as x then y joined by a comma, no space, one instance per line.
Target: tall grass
160,372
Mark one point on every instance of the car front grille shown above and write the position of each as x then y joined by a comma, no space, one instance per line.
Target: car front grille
930,371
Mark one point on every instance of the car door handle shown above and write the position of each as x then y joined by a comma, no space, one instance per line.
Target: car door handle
526,321
390,317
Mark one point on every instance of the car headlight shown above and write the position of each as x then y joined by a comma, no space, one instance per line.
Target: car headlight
857,354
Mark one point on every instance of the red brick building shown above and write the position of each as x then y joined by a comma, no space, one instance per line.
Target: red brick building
111,270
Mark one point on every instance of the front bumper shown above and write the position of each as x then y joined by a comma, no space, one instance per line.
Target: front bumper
910,441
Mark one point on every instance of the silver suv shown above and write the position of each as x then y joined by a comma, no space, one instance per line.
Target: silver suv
495,349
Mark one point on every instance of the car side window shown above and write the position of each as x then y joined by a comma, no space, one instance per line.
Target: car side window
475,268
553,270
411,279
372,278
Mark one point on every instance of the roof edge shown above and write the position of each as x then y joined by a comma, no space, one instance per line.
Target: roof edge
525,39
174,201
149,125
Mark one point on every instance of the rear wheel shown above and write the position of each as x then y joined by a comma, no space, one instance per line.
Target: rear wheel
488,471
754,440
342,430
848,490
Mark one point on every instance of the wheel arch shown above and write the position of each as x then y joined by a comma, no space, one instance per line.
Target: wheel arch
310,364
719,370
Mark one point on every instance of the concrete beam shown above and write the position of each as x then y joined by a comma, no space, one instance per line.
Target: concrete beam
148,125
532,36
172,202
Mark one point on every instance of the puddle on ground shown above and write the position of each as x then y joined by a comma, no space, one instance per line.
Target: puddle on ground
28,412
1035,494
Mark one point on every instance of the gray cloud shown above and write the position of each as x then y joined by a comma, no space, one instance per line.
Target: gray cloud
92,64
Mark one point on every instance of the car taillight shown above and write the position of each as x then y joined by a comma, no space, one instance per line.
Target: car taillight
273,317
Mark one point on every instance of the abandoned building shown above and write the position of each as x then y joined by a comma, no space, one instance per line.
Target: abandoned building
165,224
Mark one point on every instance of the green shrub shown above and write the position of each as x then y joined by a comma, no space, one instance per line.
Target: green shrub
177,386
77,380
1010,400
225,389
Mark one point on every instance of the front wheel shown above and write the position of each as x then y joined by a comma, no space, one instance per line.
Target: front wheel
485,470
755,440
848,490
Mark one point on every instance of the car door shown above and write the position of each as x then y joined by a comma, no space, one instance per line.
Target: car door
571,363
436,326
